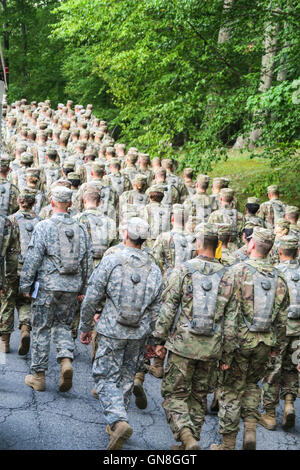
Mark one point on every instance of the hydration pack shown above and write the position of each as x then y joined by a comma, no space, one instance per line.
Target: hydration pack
135,273
264,285
278,209
4,197
205,287
167,199
203,207
159,220
229,216
52,175
38,203
99,234
292,276
21,179
69,239
26,224
183,249
41,153
117,183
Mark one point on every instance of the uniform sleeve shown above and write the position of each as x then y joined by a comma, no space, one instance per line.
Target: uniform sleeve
86,262
94,294
171,302
33,260
158,253
156,305
230,332
281,319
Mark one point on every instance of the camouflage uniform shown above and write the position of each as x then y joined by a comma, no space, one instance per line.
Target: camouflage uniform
240,393
271,210
190,372
62,274
121,348
12,204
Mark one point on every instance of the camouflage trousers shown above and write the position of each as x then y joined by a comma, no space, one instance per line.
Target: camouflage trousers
52,313
238,386
281,377
185,386
8,302
114,368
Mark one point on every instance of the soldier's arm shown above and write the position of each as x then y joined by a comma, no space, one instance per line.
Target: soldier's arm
34,258
13,250
281,319
94,294
86,262
171,300
184,194
158,253
156,305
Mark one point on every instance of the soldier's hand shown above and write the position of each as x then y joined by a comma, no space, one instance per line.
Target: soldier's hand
2,292
224,366
26,295
80,298
85,338
96,317
298,367
160,351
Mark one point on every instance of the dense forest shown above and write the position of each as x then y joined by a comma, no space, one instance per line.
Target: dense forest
186,76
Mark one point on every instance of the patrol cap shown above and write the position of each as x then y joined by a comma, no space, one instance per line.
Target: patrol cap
167,163
43,125
90,152
61,194
60,182
21,147
140,179
110,150
226,181
274,188
26,157
203,179
188,171
206,230
51,152
263,235
114,161
292,210
120,146
132,157
288,241
96,166
33,172
28,193
74,176
224,229
227,192
157,188
283,223
137,228
4,162
144,157
69,164
252,200
218,182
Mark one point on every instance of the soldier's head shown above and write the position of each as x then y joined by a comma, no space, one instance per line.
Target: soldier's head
91,198
97,170
156,192
110,153
135,232
4,165
26,198
226,196
114,165
202,183
51,155
224,234
32,135
26,159
288,247
156,163
33,177
90,155
61,199
120,150
206,239
252,205
68,167
167,163
247,233
292,214
261,243
20,148
139,183
217,185
179,216
273,191
160,175
131,158
144,160
188,174
80,147
74,179
42,137
282,228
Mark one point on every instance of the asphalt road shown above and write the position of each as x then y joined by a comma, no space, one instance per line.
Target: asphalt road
74,420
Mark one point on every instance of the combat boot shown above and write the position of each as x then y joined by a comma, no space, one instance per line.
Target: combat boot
95,394
188,440
4,343
215,403
288,420
178,447
157,368
118,433
268,420
139,392
36,381
24,340
228,443
66,375
249,442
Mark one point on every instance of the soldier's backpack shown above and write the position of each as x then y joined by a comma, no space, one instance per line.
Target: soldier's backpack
41,153
292,276
202,207
4,197
117,183
39,197
3,247
138,199
21,174
264,286
172,180
26,226
69,240
205,287
278,209
182,247
99,234
168,196
134,279
160,218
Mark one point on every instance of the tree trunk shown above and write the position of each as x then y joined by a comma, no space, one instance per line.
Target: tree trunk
5,40
225,32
